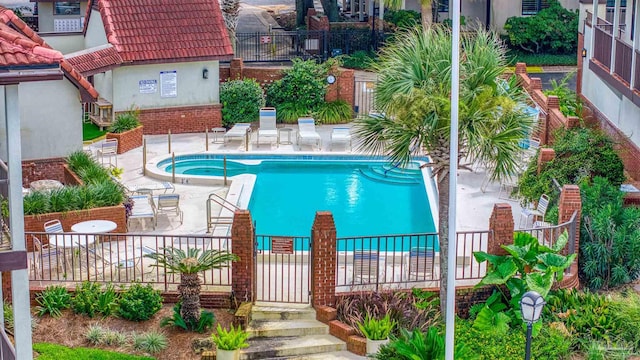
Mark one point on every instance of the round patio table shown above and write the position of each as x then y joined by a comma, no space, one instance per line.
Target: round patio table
94,226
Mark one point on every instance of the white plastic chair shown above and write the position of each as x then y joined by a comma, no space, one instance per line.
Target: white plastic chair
267,124
307,132
535,213
108,149
238,131
341,135
143,209
169,204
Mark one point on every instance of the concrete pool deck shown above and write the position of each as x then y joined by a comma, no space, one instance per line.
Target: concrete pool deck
474,206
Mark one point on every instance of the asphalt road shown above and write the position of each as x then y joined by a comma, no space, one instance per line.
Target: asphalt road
547,77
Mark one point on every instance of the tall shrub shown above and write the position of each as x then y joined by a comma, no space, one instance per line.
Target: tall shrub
609,238
552,30
581,155
303,84
241,101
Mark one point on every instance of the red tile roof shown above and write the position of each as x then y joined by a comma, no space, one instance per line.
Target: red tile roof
12,26
18,51
93,62
161,30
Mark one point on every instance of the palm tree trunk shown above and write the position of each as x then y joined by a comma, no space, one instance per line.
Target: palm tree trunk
443,234
189,290
425,9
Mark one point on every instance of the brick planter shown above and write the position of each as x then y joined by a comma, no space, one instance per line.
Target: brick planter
127,140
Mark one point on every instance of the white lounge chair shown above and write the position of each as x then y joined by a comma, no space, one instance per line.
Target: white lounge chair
419,264
366,265
143,209
238,131
267,125
307,132
169,204
341,135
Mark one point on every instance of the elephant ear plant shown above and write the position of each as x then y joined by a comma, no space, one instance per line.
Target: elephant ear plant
527,266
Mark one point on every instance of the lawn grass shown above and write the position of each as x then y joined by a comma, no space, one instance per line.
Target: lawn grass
58,352
90,131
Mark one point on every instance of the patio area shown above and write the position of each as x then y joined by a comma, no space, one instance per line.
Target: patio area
120,258
474,215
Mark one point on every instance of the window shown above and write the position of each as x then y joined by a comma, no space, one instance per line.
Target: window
66,8
443,5
611,5
532,7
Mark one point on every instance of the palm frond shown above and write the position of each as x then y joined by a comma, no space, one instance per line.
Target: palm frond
176,260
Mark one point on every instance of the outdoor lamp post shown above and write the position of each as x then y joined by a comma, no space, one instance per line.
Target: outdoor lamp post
531,306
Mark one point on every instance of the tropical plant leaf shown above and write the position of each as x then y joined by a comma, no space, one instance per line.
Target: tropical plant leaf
561,242
500,274
482,256
540,283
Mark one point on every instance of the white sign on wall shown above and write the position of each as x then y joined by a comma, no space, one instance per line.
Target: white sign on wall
168,83
148,86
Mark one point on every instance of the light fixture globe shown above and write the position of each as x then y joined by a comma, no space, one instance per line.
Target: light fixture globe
531,306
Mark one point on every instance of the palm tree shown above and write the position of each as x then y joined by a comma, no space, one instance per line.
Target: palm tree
414,90
189,265
230,12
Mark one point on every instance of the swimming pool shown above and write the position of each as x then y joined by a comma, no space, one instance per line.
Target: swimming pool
367,197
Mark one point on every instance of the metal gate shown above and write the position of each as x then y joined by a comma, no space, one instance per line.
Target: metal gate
364,96
282,269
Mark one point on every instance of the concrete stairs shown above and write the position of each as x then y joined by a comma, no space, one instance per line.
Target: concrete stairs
291,332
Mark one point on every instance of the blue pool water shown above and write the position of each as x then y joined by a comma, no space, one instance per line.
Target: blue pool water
367,198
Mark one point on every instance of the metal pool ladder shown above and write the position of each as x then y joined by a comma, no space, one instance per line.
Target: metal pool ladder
219,220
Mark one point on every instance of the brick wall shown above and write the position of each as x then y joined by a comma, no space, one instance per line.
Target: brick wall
343,88
323,271
183,119
549,105
502,226
316,22
71,178
570,202
242,238
40,169
35,223
127,140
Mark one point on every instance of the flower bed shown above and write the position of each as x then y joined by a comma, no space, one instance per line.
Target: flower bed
127,140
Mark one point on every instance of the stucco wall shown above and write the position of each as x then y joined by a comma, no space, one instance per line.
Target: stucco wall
103,85
65,43
192,89
46,17
46,120
95,35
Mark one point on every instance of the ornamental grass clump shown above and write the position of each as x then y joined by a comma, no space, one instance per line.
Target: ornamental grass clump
125,121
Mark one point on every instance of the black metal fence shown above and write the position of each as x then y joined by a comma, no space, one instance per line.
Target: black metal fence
283,46
117,258
282,269
402,261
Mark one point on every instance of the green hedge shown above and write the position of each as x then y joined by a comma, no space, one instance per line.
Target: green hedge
48,351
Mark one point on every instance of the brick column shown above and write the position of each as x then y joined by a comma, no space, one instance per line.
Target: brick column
546,155
573,122
6,285
521,68
236,69
501,223
323,254
347,86
242,243
570,201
